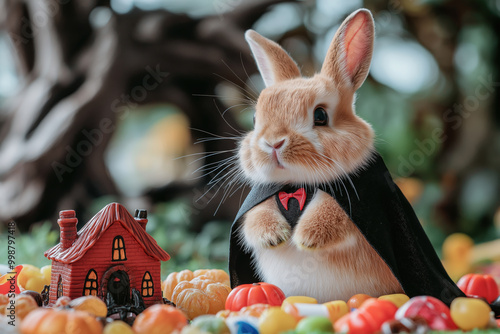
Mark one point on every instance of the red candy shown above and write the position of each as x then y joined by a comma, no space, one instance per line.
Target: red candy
367,319
256,293
434,311
479,285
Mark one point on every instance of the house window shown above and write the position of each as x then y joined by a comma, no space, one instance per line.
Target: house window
90,287
119,249
59,287
147,285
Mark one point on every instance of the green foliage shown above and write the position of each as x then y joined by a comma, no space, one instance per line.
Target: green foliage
31,246
169,225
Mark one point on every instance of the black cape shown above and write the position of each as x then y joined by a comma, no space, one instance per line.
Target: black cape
383,215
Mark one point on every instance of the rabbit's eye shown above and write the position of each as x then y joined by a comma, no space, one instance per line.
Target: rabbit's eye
320,117
254,119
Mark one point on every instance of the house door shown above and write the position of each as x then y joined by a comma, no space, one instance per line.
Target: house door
119,287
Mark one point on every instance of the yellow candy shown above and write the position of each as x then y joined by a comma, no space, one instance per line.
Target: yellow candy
457,247
34,283
46,272
117,327
333,310
275,320
28,271
470,313
298,299
336,309
33,278
90,304
397,299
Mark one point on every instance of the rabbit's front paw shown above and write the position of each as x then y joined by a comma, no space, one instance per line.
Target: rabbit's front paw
265,230
324,224
310,234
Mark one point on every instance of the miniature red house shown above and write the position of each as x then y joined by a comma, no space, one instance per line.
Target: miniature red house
110,256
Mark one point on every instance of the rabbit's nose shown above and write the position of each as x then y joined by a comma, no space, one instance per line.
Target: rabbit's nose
276,145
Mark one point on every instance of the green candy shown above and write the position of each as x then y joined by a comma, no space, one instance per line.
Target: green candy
314,324
211,324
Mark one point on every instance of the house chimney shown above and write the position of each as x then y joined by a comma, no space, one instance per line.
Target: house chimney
141,216
67,222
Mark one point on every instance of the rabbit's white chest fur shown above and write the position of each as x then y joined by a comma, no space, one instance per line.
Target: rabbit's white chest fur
313,273
339,264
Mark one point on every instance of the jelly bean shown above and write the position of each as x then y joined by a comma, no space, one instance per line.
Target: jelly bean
398,299
314,324
298,299
117,327
357,300
470,313
211,324
275,320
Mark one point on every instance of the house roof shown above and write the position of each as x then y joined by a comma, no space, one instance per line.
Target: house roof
95,228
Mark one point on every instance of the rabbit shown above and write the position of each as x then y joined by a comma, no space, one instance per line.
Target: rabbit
306,132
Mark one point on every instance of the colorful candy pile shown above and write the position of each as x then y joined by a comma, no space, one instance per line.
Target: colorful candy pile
206,304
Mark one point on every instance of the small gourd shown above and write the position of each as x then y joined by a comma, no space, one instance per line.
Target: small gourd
49,321
200,296
24,304
169,284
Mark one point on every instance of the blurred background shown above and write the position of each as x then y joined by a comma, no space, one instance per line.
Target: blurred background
138,101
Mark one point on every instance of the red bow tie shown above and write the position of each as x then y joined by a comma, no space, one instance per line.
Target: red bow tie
299,195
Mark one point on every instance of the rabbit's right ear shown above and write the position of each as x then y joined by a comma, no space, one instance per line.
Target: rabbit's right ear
274,63
349,56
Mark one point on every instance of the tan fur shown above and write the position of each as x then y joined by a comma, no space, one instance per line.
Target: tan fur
356,24
312,155
266,227
349,141
283,67
325,233
323,225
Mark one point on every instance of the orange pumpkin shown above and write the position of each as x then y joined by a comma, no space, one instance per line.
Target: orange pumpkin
24,305
50,321
159,319
91,304
256,293
199,296
169,284
4,300
479,285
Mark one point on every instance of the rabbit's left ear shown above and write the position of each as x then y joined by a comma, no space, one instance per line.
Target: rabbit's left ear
274,63
349,56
